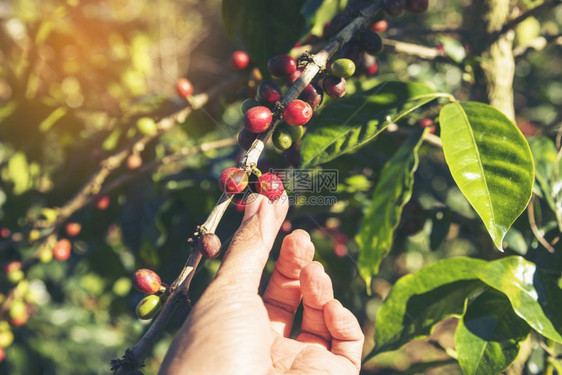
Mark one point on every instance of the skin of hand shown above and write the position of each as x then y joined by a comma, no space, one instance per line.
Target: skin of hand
232,330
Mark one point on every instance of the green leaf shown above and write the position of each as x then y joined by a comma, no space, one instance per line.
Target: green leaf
545,157
488,335
420,300
318,12
393,191
353,121
534,296
490,161
263,28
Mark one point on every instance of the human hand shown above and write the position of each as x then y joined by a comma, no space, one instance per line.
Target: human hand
232,330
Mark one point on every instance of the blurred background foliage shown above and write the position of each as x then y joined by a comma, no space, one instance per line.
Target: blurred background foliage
75,75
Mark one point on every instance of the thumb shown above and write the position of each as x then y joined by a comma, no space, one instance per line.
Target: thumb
249,249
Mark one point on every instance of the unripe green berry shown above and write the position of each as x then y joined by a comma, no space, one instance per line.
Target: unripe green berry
282,140
148,306
147,126
296,132
343,68
249,103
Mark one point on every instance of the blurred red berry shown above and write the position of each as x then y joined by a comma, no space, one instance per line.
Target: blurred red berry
239,60
62,249
103,203
184,87
73,229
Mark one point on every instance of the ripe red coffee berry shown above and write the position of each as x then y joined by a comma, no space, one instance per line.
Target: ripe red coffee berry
103,203
209,245
233,181
313,95
73,229
281,65
394,7
269,92
258,119
335,86
297,113
146,281
380,26
270,185
417,6
134,161
184,87
239,61
2,354
62,249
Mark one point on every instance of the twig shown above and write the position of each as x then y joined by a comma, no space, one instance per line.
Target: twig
181,286
419,51
153,165
517,20
426,31
537,44
93,186
535,229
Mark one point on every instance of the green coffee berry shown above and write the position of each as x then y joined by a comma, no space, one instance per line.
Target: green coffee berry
148,306
296,132
343,68
282,140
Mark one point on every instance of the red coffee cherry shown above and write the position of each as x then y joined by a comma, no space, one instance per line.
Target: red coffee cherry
2,354
294,76
270,185
369,65
5,233
297,113
239,61
233,181
146,281
269,92
73,229
134,161
209,245
184,87
62,249
103,203
417,6
313,95
394,7
335,86
258,119
427,122
380,26
281,65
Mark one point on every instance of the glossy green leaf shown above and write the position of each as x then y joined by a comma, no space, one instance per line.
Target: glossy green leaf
490,161
488,335
263,28
393,191
420,300
545,156
534,295
351,122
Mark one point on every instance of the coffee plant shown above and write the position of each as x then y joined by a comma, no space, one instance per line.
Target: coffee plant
419,143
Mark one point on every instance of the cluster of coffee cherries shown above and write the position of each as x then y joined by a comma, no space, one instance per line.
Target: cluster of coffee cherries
148,282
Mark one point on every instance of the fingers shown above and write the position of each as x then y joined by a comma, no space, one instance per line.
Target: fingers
283,293
316,288
247,254
347,337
